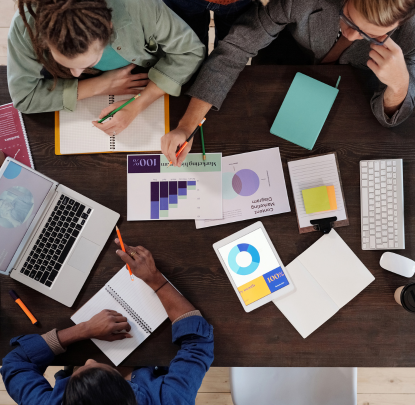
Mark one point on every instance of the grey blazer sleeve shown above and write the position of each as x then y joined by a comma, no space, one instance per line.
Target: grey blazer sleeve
408,104
254,30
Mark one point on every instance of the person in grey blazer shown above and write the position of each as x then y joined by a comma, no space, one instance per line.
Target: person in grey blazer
369,34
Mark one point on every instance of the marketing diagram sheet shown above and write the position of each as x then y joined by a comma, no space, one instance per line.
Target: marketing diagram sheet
157,191
253,186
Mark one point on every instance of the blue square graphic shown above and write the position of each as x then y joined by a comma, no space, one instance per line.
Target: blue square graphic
275,279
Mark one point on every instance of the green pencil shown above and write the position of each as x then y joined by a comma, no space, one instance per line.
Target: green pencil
203,142
119,108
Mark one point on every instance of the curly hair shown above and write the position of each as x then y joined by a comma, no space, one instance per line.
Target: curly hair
71,26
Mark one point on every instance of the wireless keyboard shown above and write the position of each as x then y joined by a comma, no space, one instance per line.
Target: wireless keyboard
381,199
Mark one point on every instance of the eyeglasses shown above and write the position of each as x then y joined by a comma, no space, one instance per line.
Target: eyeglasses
352,25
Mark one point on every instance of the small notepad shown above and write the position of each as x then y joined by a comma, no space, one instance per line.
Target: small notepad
304,111
316,199
133,299
74,132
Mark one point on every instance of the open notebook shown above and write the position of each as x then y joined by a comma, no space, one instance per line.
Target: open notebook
75,134
136,301
326,276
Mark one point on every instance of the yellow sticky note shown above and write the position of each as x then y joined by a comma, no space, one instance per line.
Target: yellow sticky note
332,198
316,199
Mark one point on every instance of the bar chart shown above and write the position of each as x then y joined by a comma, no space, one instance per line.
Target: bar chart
165,195
158,191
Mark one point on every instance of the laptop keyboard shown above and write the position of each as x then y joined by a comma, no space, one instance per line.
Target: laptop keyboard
56,240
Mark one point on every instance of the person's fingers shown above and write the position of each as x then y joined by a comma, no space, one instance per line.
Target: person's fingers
111,311
372,66
139,76
119,336
117,327
129,67
376,57
139,83
381,50
172,153
106,111
141,249
119,318
184,153
391,44
125,257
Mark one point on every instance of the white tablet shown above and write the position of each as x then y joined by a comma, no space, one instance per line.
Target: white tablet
253,267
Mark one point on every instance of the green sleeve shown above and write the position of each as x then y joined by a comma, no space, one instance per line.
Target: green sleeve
29,90
183,53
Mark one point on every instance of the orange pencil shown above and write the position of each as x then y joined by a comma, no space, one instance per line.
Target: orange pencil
123,249
19,302
187,141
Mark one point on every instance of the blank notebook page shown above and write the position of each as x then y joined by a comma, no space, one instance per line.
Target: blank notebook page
139,296
78,135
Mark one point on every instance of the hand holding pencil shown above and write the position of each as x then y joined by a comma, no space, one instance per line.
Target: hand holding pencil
141,262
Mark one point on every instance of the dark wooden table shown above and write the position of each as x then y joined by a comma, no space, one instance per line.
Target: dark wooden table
372,330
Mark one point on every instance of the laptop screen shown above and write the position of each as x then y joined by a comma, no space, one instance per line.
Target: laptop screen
22,192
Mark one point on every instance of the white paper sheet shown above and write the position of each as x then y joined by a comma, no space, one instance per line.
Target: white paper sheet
315,172
253,187
156,191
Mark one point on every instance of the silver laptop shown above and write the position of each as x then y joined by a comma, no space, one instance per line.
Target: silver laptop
50,235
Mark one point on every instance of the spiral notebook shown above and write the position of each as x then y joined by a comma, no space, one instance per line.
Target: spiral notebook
133,299
75,134
13,137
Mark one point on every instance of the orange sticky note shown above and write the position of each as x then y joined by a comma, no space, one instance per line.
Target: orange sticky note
332,198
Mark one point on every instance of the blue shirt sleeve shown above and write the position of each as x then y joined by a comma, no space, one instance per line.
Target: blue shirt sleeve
23,370
187,369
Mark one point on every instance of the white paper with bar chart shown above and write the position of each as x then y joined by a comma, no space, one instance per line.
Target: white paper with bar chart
157,191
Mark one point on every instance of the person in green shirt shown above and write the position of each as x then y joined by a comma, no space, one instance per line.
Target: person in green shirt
52,43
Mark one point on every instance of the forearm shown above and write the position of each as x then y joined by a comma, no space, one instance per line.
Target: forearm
393,99
149,95
89,87
174,303
195,113
72,334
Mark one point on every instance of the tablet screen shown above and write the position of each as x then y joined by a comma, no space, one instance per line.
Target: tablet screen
253,266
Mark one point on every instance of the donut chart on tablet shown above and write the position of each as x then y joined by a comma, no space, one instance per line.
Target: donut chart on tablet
235,251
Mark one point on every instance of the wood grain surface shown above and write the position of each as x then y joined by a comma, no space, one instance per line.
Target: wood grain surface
372,330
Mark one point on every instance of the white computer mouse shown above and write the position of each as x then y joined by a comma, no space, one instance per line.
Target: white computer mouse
397,264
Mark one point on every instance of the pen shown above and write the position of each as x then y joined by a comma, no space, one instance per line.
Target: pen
203,142
19,302
119,108
123,249
188,140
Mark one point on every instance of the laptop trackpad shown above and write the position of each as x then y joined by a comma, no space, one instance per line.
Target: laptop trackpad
84,255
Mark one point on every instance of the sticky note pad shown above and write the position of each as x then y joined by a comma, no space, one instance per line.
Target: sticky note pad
316,199
332,198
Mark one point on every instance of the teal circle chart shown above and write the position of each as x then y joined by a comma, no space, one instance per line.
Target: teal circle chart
243,247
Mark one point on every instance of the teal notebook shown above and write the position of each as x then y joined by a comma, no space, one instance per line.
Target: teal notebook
304,111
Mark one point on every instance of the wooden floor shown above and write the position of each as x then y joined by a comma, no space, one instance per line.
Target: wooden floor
376,386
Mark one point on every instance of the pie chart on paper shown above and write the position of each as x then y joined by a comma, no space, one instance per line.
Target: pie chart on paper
243,270
244,182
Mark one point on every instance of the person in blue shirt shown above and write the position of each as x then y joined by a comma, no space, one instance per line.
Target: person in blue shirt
96,383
